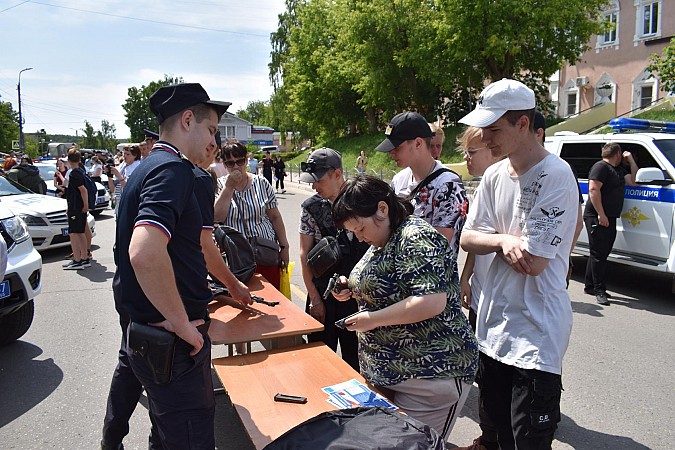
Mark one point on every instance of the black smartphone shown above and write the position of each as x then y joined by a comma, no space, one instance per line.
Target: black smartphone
289,398
341,323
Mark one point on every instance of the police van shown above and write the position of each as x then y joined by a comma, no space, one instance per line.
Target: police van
646,229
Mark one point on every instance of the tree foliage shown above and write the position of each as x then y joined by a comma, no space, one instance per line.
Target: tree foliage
346,64
9,126
137,107
664,66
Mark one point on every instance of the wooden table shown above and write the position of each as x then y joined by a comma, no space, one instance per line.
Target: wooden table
252,380
258,322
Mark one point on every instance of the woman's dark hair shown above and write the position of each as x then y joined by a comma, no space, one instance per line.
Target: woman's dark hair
360,196
135,151
233,149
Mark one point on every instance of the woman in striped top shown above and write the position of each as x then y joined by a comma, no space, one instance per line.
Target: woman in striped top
247,203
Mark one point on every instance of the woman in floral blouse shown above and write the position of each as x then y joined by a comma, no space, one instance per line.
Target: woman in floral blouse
414,339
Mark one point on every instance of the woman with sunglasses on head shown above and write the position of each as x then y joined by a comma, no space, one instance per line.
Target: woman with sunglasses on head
414,340
247,203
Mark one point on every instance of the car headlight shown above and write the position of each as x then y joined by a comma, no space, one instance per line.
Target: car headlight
16,228
33,221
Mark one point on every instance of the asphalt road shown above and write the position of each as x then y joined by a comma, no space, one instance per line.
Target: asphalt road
618,374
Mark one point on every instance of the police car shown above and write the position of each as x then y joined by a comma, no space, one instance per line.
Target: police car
645,231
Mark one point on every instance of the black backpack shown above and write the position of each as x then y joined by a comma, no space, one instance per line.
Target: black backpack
360,428
92,191
236,251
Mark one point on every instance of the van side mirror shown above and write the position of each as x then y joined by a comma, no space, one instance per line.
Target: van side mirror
651,175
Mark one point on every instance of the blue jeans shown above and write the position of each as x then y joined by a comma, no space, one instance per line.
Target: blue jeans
182,411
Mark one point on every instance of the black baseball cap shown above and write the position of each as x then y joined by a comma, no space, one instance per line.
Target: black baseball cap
151,134
172,99
318,163
403,127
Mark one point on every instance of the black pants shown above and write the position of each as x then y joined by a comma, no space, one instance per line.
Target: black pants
280,181
487,426
331,334
181,412
524,404
268,176
125,390
600,243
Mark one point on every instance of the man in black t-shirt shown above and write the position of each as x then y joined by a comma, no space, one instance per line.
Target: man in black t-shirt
267,166
161,273
606,181
78,207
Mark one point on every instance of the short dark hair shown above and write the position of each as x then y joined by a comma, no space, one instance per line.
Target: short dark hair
200,110
610,149
135,150
74,155
233,149
513,115
360,196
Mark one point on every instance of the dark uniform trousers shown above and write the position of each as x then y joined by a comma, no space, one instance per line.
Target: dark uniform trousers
600,242
125,391
182,412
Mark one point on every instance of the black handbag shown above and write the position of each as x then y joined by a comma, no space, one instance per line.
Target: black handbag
266,251
236,251
324,256
156,347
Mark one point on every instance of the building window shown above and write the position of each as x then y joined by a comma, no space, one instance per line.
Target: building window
610,35
571,103
646,93
228,132
648,19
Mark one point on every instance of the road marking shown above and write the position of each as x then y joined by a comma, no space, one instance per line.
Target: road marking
299,292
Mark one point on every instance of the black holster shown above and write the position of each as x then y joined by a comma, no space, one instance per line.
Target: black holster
156,347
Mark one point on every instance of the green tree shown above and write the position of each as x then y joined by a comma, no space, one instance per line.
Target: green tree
137,107
255,112
9,126
664,66
106,136
89,138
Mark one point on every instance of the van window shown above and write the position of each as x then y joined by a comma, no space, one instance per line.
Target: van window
581,156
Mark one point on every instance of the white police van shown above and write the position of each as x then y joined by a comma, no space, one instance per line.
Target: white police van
645,231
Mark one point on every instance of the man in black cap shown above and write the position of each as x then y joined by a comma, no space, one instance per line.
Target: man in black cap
437,193
160,285
150,138
323,170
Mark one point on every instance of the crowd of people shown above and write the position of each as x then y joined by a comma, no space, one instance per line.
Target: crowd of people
399,244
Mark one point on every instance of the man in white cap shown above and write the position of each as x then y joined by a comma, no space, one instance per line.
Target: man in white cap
525,211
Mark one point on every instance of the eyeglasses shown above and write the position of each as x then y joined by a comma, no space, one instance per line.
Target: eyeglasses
472,151
232,162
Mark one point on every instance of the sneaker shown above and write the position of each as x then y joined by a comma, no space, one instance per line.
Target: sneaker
74,265
283,191
86,262
601,298
475,446
590,291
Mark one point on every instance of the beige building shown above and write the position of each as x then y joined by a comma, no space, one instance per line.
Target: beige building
614,69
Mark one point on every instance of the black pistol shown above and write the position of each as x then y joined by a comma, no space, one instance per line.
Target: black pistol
335,285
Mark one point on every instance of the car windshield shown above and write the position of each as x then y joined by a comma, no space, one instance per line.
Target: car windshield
47,171
667,147
8,187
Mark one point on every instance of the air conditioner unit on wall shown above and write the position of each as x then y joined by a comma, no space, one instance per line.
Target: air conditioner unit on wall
581,81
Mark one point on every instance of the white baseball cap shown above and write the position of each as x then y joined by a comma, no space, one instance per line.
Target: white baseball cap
499,97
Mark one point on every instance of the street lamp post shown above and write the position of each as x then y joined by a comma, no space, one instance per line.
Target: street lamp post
22,140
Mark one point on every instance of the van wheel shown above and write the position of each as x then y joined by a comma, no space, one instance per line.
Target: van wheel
15,325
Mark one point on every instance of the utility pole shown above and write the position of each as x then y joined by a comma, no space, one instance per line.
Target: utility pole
22,140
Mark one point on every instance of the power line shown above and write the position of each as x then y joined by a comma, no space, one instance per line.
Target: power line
7,9
242,33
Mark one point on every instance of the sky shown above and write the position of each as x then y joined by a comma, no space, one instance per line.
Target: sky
85,55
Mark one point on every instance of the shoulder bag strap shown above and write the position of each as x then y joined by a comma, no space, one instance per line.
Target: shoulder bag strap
431,177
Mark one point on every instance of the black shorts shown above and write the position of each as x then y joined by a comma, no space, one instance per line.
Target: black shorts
76,222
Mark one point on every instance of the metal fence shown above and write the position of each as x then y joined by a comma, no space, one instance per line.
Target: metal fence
293,170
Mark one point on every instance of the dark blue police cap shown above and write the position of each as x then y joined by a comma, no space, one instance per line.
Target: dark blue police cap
151,134
172,99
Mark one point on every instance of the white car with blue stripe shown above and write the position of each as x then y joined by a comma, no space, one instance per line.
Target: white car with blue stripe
646,229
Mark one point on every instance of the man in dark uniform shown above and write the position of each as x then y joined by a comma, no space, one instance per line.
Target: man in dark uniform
606,181
323,170
267,167
161,273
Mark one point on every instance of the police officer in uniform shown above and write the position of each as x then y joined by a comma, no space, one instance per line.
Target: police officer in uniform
323,170
160,281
